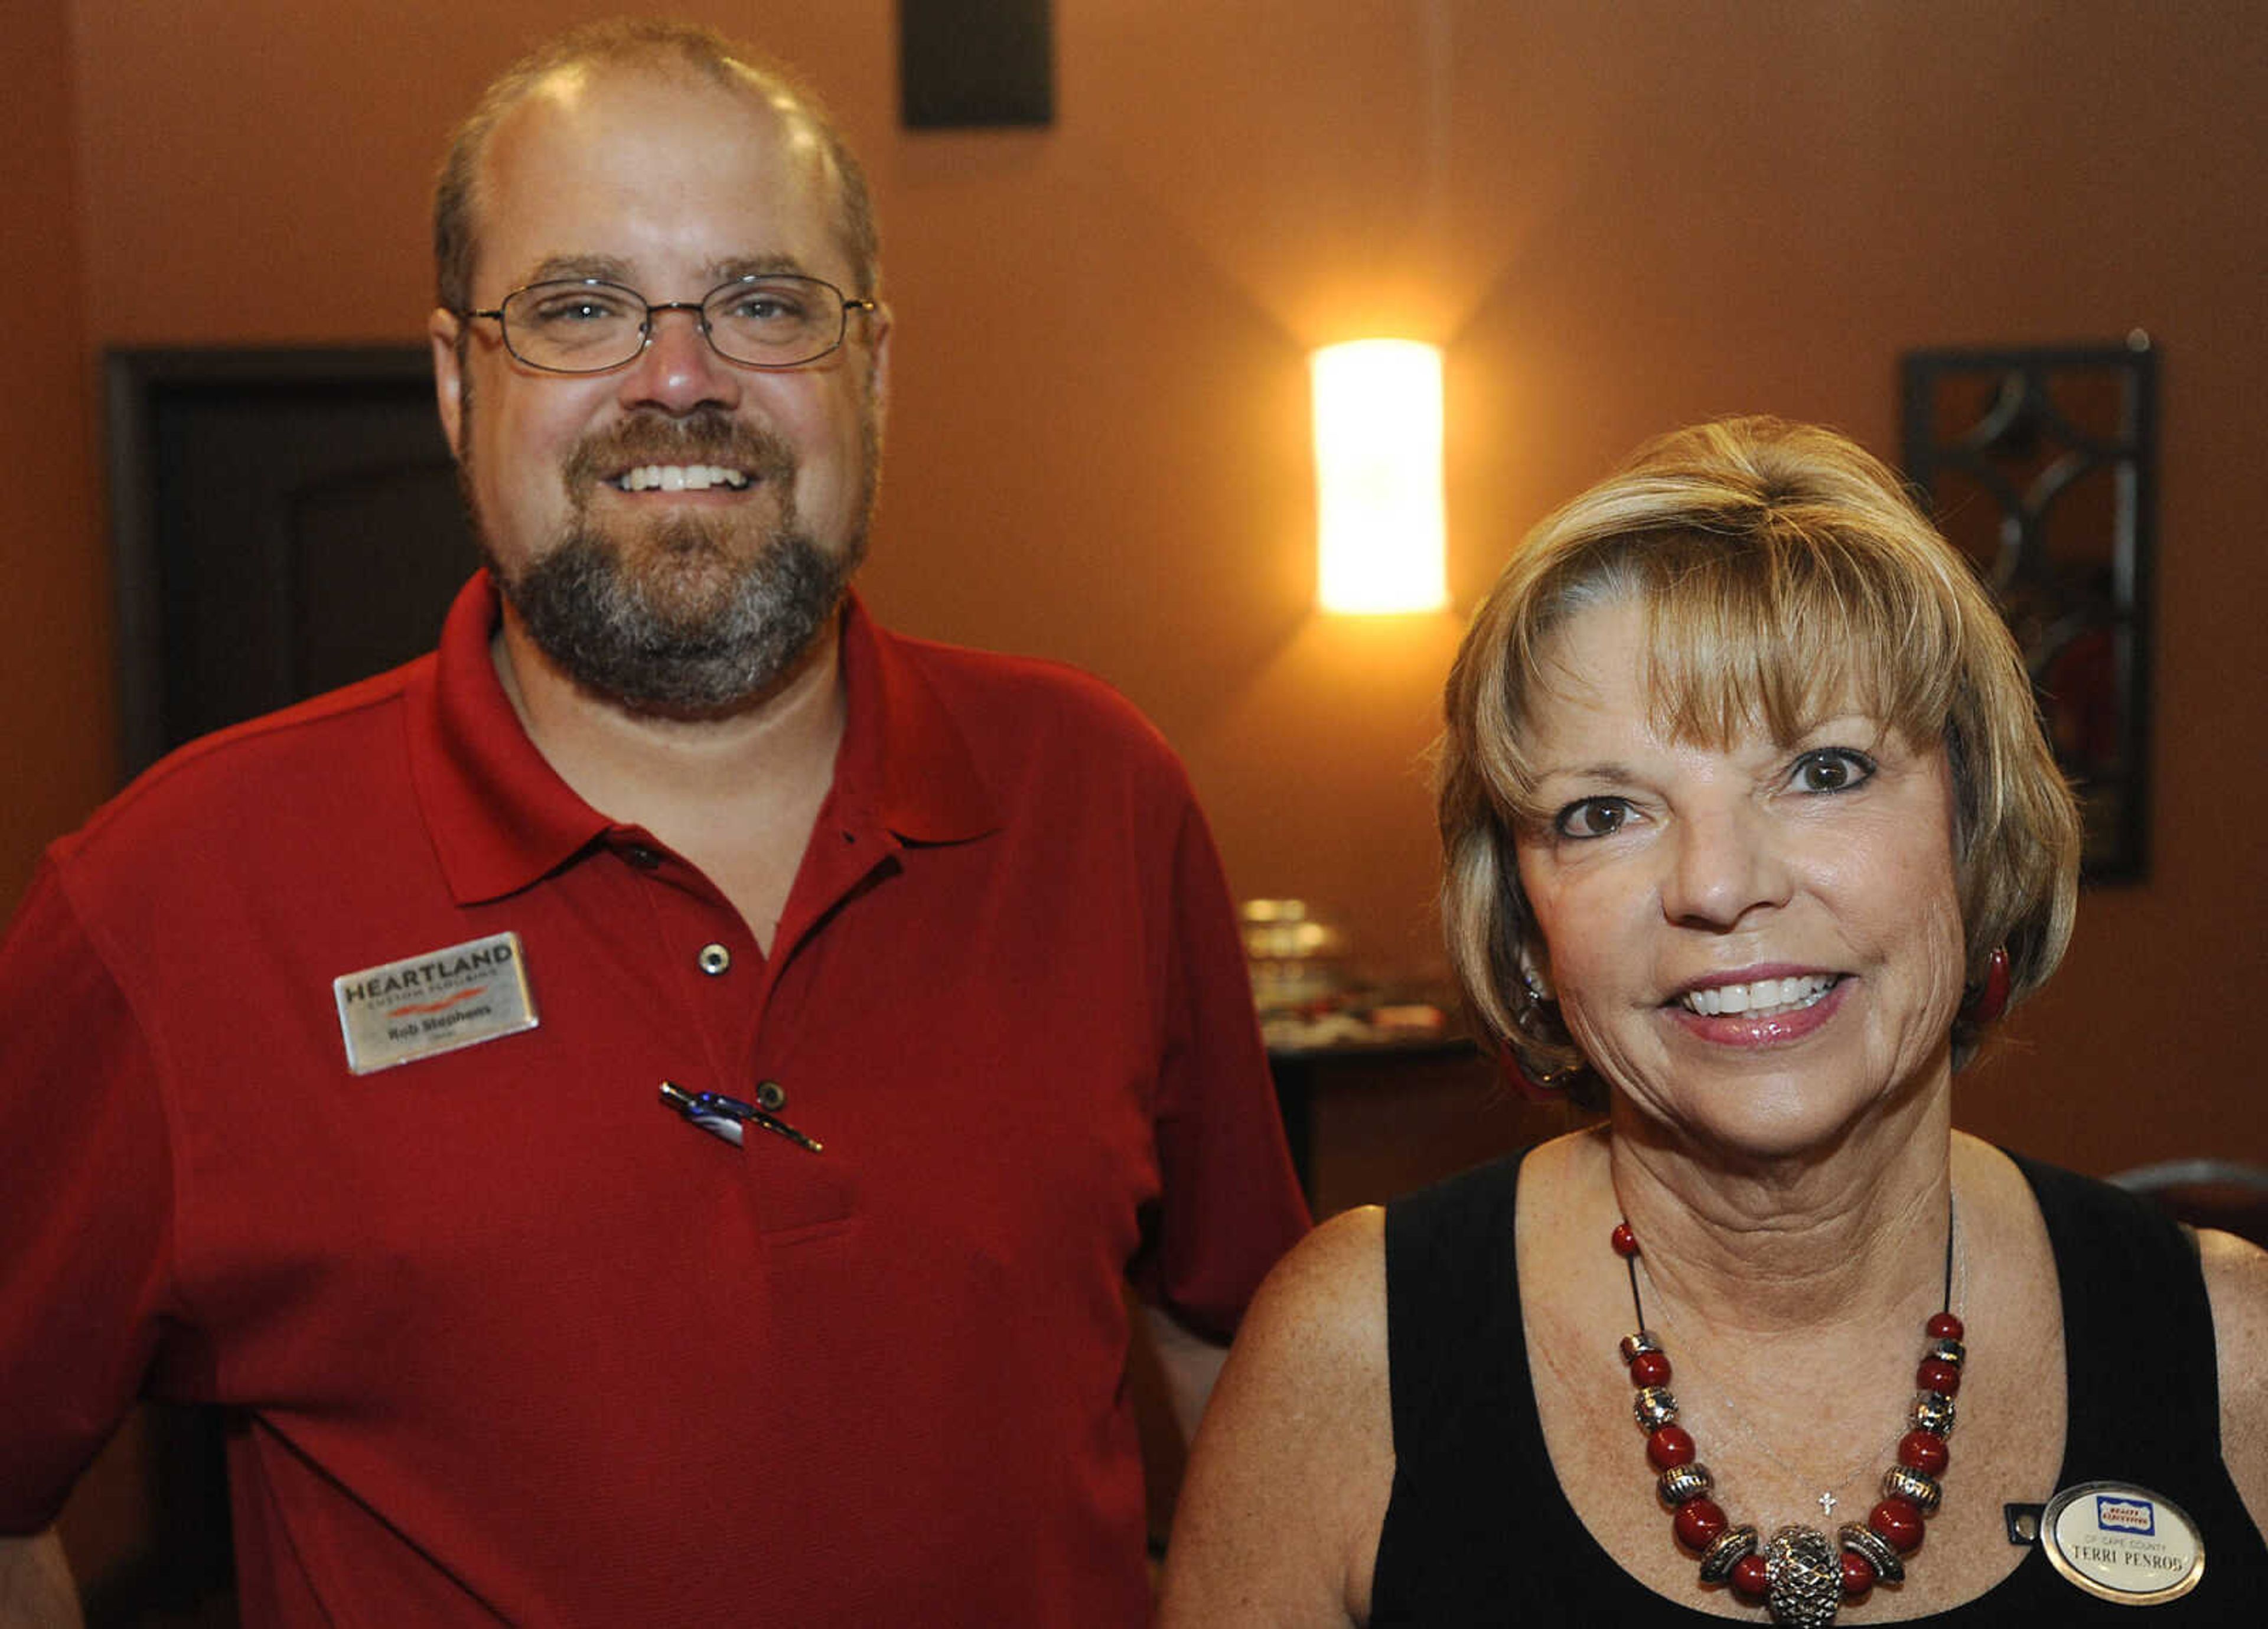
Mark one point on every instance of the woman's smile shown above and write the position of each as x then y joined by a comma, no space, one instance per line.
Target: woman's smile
1765,1012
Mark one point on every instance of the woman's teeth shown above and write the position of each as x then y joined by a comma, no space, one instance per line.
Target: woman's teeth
1767,998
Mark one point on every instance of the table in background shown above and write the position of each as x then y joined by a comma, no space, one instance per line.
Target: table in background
1369,1119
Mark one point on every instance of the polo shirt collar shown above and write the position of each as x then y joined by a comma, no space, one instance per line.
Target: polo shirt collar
498,814
904,764
500,817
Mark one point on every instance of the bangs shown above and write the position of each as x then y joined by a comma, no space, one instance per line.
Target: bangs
1776,636
1766,633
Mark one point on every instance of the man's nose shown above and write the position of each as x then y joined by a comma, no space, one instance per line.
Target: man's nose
680,370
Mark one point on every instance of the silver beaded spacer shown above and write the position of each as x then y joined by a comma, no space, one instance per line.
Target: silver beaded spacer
1807,1580
1681,1482
1946,1352
1921,1491
1860,1540
1644,1340
1932,1411
1655,1407
1725,1552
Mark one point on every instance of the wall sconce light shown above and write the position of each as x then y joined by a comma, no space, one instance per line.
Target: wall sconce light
1378,477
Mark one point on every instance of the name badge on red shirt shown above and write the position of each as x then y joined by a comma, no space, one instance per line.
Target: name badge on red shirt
434,1003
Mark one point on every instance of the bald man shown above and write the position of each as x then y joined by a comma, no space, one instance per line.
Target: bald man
647,1114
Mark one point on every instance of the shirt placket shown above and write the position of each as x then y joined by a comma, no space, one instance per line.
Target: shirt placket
745,1005
844,856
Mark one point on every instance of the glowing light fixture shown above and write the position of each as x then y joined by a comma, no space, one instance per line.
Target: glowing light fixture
1378,477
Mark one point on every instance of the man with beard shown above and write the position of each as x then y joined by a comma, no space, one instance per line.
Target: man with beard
648,1114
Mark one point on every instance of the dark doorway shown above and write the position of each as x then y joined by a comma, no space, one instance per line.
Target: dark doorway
286,521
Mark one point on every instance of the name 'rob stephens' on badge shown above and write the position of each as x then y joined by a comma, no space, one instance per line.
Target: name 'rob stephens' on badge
437,1002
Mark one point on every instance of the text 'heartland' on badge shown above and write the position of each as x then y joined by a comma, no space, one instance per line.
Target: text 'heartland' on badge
2122,1542
434,1003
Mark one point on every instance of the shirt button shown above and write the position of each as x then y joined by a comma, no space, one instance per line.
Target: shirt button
771,1096
715,959
643,857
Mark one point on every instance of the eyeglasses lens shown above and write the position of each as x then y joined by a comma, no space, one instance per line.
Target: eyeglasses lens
585,327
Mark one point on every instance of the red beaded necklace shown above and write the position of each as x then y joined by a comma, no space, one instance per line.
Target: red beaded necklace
1799,1578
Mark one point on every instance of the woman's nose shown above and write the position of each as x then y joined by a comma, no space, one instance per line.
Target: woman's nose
1723,864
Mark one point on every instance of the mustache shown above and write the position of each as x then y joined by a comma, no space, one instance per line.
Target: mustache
707,435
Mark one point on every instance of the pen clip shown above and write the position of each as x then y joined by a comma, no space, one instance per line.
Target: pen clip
724,1116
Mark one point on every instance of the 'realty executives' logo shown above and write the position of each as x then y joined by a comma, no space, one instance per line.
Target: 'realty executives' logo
2125,1515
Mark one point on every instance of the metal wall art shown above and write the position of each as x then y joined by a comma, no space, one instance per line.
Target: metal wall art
2041,465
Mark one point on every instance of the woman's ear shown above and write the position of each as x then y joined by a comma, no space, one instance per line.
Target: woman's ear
1536,976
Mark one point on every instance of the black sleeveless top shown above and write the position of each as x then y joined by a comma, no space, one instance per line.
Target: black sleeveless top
1478,1532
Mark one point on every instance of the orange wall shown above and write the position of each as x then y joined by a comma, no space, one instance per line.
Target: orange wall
1617,218
55,689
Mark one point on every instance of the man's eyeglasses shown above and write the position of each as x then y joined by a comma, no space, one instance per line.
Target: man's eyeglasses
586,325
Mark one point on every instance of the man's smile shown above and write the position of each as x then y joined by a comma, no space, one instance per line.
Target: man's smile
679,478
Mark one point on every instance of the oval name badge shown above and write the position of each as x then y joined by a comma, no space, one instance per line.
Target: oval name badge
2122,1542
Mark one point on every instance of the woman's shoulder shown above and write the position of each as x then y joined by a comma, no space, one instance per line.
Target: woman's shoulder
2237,1280
1319,1324
1327,1295
1288,1479
1320,1318
2236,1284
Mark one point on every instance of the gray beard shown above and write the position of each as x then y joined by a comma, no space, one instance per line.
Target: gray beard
694,634
681,628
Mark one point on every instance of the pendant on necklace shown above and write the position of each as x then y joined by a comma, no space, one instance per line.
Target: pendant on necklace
1827,1503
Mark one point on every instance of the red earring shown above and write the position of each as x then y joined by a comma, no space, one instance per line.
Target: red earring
1508,1064
1550,1088
1982,1003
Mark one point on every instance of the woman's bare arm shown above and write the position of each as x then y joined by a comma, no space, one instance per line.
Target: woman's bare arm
1278,1518
2237,1280
35,1585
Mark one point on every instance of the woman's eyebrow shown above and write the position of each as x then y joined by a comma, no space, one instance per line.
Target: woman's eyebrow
1583,772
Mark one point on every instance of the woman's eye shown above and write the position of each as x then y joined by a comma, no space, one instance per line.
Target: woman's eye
1831,769
1591,817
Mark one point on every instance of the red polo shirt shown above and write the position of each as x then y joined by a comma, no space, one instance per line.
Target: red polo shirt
507,1337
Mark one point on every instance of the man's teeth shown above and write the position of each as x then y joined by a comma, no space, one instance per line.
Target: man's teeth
1767,998
679,478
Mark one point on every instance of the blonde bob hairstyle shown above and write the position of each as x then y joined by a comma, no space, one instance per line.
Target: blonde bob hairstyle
1785,575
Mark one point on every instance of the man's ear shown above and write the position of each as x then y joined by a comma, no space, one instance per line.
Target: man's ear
878,358
443,328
